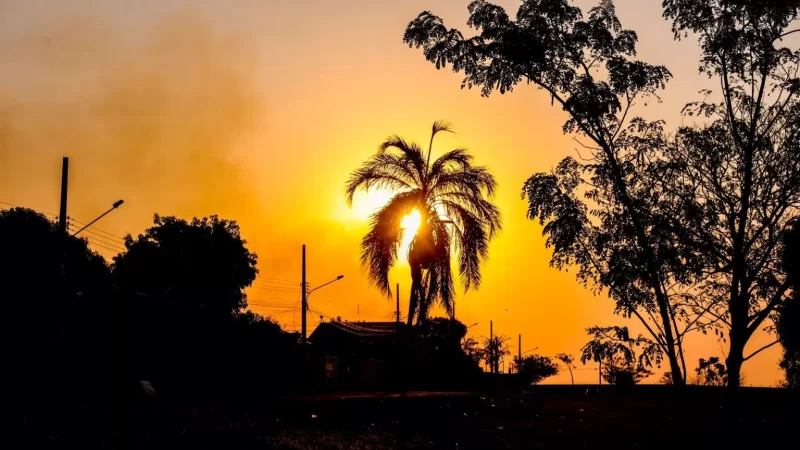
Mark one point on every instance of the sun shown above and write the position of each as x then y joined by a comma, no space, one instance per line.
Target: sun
410,226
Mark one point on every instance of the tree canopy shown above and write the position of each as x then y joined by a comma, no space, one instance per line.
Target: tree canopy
535,368
57,297
203,263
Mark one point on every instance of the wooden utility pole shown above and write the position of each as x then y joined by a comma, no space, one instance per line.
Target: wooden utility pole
519,352
62,213
398,302
491,347
305,297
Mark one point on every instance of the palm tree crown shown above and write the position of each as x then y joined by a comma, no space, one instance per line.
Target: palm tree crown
452,197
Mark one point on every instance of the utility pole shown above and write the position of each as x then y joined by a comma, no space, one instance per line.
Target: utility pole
305,296
519,353
491,347
62,213
398,302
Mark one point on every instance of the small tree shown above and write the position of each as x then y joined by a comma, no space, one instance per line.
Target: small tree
569,362
615,352
473,350
535,368
494,351
711,372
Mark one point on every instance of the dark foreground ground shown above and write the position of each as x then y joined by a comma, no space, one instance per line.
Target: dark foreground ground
548,417
558,417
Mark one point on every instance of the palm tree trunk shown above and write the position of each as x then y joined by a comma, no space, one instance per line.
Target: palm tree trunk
416,292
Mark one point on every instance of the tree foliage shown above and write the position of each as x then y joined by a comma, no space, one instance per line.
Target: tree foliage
535,368
616,352
57,292
472,349
569,363
789,322
494,351
203,263
588,67
452,196
440,361
185,281
734,179
711,372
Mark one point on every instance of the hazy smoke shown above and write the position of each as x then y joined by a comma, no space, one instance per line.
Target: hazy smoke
158,118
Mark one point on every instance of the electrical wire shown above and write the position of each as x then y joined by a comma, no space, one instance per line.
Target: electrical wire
94,241
36,210
93,228
95,244
98,238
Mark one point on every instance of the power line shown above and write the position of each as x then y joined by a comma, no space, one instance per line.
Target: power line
280,283
36,210
95,229
291,291
94,239
278,279
101,239
95,244
95,233
285,286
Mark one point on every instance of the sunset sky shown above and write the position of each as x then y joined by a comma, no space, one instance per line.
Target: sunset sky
258,110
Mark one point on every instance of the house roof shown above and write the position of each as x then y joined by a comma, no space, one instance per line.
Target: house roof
352,334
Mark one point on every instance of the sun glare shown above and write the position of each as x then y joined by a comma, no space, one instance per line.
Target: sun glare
410,225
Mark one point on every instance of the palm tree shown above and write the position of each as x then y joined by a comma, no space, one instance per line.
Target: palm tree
452,198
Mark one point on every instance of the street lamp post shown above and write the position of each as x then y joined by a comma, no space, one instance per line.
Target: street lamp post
323,285
306,294
113,207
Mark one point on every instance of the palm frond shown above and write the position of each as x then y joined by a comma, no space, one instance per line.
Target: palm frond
472,242
379,247
382,170
458,157
441,126
474,179
445,282
413,157
454,202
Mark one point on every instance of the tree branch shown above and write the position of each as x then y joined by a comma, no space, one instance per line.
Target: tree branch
761,350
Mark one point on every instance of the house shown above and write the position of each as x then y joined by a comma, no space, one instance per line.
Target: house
356,356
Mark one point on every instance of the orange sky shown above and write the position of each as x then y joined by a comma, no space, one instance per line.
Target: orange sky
258,111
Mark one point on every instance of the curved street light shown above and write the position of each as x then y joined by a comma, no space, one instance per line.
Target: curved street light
323,285
113,207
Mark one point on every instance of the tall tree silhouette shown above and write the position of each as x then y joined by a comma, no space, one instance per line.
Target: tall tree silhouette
452,197
587,67
735,181
57,298
789,323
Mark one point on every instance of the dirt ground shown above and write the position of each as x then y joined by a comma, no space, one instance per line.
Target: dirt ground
546,417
